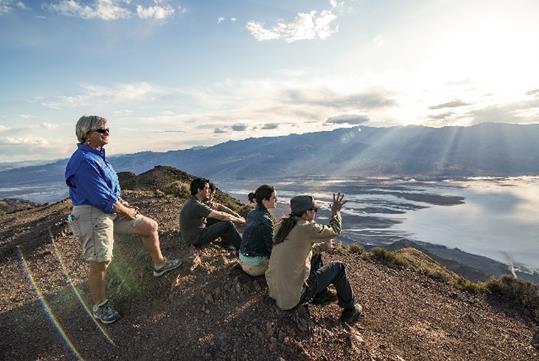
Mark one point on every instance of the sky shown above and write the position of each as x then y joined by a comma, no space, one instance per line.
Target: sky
174,74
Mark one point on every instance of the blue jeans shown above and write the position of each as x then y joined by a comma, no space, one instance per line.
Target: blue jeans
224,229
322,276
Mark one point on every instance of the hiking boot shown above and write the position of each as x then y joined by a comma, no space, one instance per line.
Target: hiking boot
352,314
105,313
169,265
325,297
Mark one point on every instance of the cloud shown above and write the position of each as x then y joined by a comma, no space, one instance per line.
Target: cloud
157,12
168,131
110,10
378,41
269,126
30,142
48,125
239,127
304,26
348,119
99,95
451,104
7,6
219,131
441,116
102,9
23,141
524,112
329,98
221,19
534,92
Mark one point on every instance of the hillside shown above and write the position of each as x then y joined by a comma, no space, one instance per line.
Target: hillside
210,310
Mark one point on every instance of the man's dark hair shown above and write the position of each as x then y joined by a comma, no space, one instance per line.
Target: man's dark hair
197,184
212,187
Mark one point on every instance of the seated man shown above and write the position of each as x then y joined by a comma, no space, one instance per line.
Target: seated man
217,207
295,275
195,213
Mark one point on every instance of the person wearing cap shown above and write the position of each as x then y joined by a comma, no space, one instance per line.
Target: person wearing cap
296,274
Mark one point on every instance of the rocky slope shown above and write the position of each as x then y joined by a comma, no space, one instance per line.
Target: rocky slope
210,310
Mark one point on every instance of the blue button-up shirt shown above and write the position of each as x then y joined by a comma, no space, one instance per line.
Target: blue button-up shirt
91,179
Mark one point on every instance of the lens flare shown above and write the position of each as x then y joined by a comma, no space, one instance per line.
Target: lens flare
77,293
47,310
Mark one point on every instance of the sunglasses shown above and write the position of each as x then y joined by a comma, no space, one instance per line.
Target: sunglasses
313,209
103,130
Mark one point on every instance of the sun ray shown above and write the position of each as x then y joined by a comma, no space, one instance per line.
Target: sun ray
46,308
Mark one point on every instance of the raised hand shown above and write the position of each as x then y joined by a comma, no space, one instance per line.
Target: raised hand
338,202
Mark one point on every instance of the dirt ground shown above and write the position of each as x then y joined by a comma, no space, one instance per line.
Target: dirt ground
210,310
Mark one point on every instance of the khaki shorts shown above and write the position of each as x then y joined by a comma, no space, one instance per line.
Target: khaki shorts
96,230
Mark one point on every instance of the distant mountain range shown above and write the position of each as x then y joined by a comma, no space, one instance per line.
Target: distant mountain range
489,149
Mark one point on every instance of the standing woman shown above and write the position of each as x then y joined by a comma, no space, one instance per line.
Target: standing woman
99,212
257,239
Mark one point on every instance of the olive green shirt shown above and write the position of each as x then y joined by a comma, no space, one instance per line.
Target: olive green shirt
193,219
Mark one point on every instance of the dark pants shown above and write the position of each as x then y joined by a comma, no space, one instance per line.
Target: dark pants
224,229
322,276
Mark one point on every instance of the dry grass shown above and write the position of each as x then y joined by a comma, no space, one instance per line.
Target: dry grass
177,189
522,293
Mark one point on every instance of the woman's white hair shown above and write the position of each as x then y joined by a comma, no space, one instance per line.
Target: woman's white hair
86,124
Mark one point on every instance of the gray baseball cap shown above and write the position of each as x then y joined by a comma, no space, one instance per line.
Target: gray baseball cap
300,204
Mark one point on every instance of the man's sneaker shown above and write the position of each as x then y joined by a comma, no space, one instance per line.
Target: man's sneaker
325,297
352,314
169,265
105,313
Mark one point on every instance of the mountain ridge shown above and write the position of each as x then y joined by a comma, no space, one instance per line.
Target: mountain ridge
488,149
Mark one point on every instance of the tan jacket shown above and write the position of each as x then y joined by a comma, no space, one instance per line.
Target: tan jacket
290,260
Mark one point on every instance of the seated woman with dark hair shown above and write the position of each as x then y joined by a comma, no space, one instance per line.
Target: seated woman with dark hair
258,234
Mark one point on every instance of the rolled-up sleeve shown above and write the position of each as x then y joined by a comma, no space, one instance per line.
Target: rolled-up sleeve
92,185
320,233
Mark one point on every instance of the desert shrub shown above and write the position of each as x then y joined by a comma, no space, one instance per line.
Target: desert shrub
339,248
177,189
243,210
159,193
414,261
521,292
470,286
356,248
475,302
387,257
434,274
